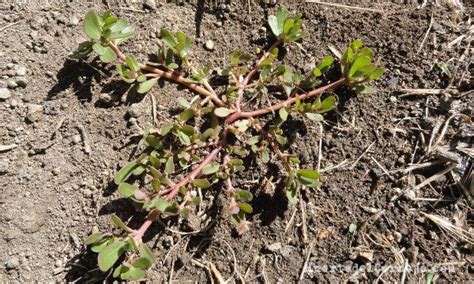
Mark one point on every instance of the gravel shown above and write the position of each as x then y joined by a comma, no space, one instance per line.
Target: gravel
209,45
4,93
20,71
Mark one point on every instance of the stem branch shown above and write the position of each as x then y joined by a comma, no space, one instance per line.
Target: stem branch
240,114
173,76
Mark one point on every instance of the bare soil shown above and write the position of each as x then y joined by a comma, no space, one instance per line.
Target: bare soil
54,190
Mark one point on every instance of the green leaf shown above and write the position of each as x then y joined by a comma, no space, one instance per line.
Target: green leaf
168,38
273,23
360,62
184,138
317,72
160,204
281,139
125,172
165,129
244,195
119,223
291,193
210,169
375,75
264,155
183,102
328,104
186,115
100,245
133,273
93,238
355,45
362,89
132,63
108,55
253,140
308,177
283,114
92,26
146,86
119,270
314,116
110,254
142,263
222,111
201,183
119,25
146,252
97,47
126,189
246,207
326,63
169,167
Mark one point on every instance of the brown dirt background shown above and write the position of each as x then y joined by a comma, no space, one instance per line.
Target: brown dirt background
52,193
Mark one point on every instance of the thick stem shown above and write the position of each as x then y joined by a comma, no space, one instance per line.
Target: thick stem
196,171
252,73
239,115
138,234
173,76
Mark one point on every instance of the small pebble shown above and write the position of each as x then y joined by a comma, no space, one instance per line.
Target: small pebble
76,139
4,93
209,45
21,71
74,21
22,82
12,263
12,84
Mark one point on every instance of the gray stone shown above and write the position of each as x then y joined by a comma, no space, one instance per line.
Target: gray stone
76,139
149,4
12,84
209,45
20,71
4,93
74,21
274,247
22,81
12,263
35,112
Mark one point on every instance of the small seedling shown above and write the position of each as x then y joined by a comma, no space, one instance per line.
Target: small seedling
206,144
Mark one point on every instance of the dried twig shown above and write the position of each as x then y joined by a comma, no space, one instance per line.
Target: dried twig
8,26
85,138
356,8
305,265
426,34
436,176
362,155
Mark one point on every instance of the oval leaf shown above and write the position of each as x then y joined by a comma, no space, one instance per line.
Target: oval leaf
126,189
222,111
110,254
92,26
125,172
360,61
146,86
201,183
93,238
142,263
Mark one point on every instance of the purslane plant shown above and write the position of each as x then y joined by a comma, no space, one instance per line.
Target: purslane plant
205,145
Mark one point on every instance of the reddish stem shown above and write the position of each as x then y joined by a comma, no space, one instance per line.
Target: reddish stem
239,115
173,76
252,73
